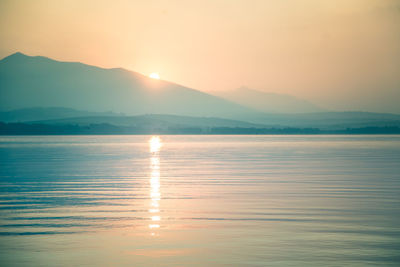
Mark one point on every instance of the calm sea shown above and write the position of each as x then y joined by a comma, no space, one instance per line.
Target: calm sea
200,201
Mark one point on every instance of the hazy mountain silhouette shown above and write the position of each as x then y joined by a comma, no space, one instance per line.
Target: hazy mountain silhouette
328,120
323,120
151,120
38,114
269,102
27,81
96,95
172,124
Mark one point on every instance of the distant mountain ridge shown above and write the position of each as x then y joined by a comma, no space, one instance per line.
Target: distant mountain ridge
269,102
173,124
329,120
27,82
323,120
37,114
39,89
151,120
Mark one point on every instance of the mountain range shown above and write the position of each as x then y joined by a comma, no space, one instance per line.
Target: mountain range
39,90
269,102
27,82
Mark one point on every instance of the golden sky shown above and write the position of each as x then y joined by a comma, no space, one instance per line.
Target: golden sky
341,54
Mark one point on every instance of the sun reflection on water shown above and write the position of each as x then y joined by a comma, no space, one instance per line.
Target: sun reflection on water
155,194
155,145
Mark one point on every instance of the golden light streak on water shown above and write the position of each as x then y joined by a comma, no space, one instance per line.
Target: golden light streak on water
155,194
155,145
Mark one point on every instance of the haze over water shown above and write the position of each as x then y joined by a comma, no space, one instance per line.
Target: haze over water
199,200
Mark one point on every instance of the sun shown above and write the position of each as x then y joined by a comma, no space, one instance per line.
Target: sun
154,75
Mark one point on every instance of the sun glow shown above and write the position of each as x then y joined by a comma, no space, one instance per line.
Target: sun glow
154,75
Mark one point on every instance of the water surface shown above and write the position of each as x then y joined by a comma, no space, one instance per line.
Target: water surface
199,200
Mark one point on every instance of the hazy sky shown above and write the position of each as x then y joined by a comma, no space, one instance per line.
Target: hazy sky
341,54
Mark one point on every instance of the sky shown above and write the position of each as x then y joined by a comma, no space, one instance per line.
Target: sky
340,55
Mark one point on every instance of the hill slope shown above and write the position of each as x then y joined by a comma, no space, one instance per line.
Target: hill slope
37,114
153,120
269,102
27,82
